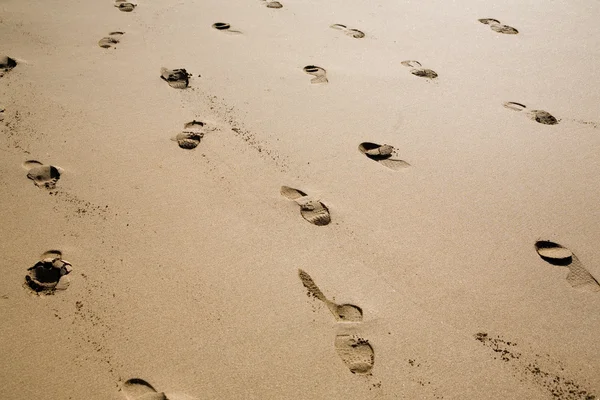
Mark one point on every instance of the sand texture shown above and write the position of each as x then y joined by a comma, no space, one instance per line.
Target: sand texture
299,200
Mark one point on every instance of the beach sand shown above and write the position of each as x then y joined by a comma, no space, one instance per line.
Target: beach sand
185,260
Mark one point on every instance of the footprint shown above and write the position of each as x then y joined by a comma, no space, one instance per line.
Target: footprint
383,154
311,210
418,71
176,78
42,175
355,33
356,353
343,312
543,117
6,64
125,6
555,254
224,26
139,389
49,274
2,113
273,4
496,26
320,75
110,40
191,135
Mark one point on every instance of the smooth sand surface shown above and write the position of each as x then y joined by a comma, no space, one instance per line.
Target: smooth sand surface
185,260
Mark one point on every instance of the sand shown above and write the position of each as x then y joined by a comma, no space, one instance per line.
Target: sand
184,256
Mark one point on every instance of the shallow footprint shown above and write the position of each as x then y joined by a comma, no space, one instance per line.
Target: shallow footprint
418,71
49,274
496,26
555,254
356,353
139,389
176,78
383,154
541,116
191,135
341,312
320,75
125,6
42,175
311,210
110,40
274,4
355,33
6,64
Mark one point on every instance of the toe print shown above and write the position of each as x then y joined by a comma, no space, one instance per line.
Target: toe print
418,71
311,210
540,116
355,33
125,6
49,274
111,40
176,78
42,175
342,313
385,155
496,26
356,353
578,276
320,75
191,135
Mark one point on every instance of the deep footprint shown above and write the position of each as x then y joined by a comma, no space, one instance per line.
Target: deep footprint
176,78
311,210
343,312
125,6
385,155
555,254
111,40
418,71
42,175
139,389
6,64
320,75
356,353
540,116
49,274
224,26
191,135
496,26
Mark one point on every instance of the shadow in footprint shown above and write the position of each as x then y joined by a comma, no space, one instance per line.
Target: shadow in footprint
311,210
42,175
6,64
191,135
273,4
418,71
49,274
341,312
320,75
111,40
224,26
125,6
541,116
385,155
496,26
355,33
356,353
176,78
555,254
